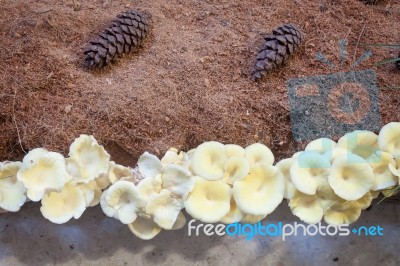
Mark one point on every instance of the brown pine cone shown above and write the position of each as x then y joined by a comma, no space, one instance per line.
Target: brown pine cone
124,34
276,50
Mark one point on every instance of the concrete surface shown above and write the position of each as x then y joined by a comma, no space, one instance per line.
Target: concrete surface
26,238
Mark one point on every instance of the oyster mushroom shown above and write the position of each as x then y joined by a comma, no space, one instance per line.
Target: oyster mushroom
260,192
389,139
12,191
144,227
122,201
177,180
208,160
258,153
309,171
164,209
284,167
209,201
60,207
87,159
42,172
351,177
363,143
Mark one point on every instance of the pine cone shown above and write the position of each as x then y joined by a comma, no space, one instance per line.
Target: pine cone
124,34
277,48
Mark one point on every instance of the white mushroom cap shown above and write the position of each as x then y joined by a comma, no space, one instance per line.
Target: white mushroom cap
164,209
87,159
342,212
307,207
233,150
144,227
236,168
180,222
351,177
252,219
43,172
92,193
150,186
321,145
234,215
173,156
309,171
208,160
60,207
116,172
123,201
258,153
284,167
12,191
209,201
149,165
383,177
102,181
389,138
261,191
178,180
363,143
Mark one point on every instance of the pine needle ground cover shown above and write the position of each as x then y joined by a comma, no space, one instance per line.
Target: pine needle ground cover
188,82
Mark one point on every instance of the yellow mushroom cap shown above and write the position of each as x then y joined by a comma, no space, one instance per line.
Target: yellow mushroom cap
87,159
342,212
122,201
365,201
236,168
383,176
12,191
209,201
309,171
144,227
234,215
116,172
307,207
60,207
233,150
178,180
260,192
351,177
208,160
284,166
258,153
363,143
321,145
149,165
389,139
164,209
43,172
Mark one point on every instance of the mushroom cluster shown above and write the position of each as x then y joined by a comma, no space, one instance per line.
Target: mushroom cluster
214,182
335,181
233,184
150,197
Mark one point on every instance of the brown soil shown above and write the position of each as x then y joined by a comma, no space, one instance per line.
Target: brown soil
189,83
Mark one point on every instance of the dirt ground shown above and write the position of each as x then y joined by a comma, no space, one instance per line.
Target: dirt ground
189,82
